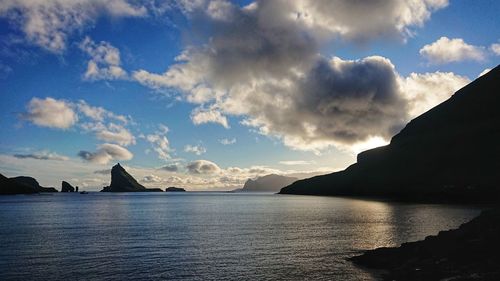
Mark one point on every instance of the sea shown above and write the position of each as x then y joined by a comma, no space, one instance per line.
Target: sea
205,235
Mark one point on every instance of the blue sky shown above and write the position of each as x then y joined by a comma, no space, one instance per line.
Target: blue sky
264,87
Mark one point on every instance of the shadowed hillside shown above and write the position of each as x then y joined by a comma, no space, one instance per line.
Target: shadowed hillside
450,153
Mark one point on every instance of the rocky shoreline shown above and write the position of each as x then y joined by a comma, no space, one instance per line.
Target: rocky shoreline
470,252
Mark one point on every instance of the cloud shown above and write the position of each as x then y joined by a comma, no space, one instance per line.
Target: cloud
97,113
159,142
226,141
103,172
196,149
50,113
170,168
446,50
151,179
262,63
42,155
116,134
495,48
202,116
202,167
484,72
426,90
105,153
296,162
104,63
49,23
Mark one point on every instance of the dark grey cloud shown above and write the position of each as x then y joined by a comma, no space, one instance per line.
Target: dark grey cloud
170,168
100,172
42,156
262,62
105,153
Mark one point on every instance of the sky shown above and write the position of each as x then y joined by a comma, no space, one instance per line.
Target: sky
205,94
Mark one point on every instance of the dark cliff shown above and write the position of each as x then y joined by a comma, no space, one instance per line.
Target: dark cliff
450,153
9,186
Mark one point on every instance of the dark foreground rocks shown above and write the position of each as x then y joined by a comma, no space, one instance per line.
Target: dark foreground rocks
471,252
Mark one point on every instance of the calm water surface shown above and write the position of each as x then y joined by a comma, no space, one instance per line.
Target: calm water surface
204,236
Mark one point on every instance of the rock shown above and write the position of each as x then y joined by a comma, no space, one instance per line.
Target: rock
121,181
33,183
174,189
448,154
66,187
268,183
9,186
471,250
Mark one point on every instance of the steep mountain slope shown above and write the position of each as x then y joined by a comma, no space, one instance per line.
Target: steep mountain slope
450,153
268,183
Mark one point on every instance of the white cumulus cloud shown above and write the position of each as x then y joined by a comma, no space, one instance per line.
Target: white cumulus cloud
446,50
50,113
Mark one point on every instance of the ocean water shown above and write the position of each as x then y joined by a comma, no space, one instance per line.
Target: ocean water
204,236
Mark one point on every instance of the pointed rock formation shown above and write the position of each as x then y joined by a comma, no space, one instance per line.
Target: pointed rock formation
9,186
33,183
450,153
268,183
66,187
121,181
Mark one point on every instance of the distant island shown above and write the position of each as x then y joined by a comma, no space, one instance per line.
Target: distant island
174,189
270,182
121,181
449,154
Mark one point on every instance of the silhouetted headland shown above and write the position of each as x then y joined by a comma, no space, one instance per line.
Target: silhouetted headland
270,182
10,186
174,189
471,252
121,181
33,183
451,153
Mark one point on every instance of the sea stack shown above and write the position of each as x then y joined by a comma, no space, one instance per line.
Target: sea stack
66,187
121,181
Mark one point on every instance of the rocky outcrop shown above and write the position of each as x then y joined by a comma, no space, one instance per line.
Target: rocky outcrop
174,189
449,153
33,183
268,183
10,186
66,187
121,181
470,252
